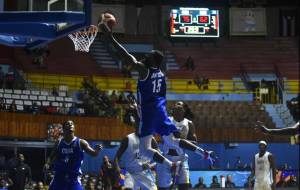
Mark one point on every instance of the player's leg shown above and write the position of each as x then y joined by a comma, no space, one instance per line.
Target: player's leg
147,151
129,182
174,141
147,128
164,177
184,176
145,180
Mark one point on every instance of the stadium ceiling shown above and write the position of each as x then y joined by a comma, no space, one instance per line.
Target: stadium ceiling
196,2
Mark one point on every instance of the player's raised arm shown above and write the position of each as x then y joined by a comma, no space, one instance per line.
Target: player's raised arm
123,53
192,135
88,149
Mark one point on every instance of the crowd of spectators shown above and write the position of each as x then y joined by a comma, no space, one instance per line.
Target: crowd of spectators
201,82
91,102
100,103
15,174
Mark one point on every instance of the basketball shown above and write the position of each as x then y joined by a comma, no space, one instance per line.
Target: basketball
108,19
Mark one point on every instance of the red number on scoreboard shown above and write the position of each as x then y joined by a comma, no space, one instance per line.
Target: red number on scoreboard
203,19
185,18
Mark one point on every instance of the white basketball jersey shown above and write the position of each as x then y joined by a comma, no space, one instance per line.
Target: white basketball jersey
130,159
183,128
263,173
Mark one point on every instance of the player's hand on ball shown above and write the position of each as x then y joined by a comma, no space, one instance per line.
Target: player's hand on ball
106,23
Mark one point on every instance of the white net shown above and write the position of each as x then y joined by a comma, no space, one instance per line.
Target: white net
83,39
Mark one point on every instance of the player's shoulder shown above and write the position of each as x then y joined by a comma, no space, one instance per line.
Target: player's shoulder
269,154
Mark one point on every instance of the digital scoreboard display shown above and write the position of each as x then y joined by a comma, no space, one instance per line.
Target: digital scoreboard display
194,22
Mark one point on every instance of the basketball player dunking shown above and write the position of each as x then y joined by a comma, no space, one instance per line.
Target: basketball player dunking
67,157
187,131
264,169
152,103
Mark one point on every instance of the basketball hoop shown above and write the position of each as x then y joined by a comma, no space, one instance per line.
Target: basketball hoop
84,38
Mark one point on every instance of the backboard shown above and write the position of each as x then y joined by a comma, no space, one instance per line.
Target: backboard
33,23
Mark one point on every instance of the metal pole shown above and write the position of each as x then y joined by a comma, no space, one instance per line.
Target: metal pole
30,5
66,5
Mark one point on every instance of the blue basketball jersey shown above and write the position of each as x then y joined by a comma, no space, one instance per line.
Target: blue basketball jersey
152,90
152,105
69,158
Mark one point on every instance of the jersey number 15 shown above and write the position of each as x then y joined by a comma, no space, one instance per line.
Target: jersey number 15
156,85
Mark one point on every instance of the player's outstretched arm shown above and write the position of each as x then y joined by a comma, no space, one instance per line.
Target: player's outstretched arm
119,153
88,149
123,53
293,130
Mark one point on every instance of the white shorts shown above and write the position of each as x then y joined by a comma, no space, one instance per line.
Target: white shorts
262,186
164,176
144,180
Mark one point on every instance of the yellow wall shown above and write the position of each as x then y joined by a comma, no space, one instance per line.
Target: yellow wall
119,84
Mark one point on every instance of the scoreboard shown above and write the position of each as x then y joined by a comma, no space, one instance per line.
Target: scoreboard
194,22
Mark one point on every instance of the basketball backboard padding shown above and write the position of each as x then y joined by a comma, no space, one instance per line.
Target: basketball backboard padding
31,29
42,17
36,30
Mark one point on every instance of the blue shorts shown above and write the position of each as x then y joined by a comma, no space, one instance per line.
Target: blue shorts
155,120
61,184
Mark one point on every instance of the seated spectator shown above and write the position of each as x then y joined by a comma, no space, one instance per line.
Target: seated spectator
54,91
35,109
215,183
200,184
198,81
10,78
281,182
51,109
63,110
13,106
73,110
113,98
292,182
122,98
2,105
205,82
130,96
229,183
